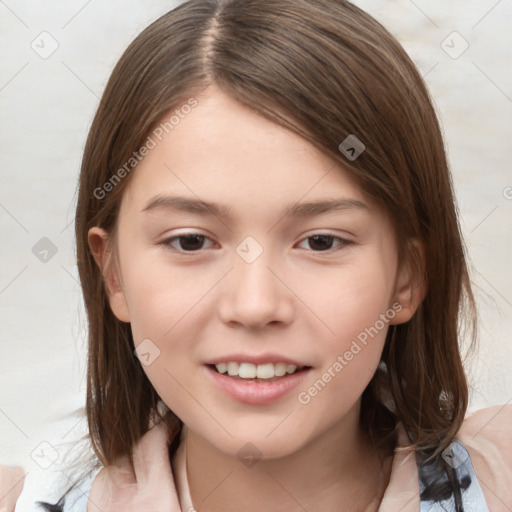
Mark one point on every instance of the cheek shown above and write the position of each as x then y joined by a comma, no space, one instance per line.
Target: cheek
162,297
354,305
169,309
350,298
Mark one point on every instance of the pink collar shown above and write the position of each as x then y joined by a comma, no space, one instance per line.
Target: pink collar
162,487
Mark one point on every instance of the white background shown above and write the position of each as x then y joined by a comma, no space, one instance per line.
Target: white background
47,106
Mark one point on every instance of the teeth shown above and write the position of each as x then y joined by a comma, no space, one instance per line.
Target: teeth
222,367
280,369
264,371
232,369
247,371
260,371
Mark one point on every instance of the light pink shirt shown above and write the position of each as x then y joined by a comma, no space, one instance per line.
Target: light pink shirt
487,435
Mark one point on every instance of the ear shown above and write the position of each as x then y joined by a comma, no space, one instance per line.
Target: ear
411,285
100,244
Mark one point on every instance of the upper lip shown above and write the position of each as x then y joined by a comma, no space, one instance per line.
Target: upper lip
260,359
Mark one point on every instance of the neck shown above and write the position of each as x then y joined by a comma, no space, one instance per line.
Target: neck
338,466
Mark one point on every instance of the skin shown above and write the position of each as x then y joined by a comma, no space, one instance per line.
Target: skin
295,299
11,484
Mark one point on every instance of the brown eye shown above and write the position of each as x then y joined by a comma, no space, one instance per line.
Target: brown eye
323,243
189,242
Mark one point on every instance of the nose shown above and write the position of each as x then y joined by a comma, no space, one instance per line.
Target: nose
255,294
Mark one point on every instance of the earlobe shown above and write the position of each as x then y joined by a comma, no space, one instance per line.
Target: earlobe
411,285
99,244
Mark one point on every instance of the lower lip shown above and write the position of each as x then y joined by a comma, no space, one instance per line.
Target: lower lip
256,392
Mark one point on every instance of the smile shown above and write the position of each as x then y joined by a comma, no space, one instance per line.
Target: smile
256,371
253,389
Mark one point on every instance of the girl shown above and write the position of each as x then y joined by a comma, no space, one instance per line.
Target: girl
274,276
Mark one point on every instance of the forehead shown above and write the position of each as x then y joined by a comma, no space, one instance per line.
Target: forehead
224,152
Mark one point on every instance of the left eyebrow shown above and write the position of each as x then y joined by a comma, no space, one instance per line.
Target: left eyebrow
318,207
192,205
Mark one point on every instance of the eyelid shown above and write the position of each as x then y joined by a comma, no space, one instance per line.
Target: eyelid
344,242
166,242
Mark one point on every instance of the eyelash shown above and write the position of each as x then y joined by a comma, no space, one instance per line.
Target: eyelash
168,241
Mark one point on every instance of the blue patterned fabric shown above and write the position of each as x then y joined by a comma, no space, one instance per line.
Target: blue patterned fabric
472,498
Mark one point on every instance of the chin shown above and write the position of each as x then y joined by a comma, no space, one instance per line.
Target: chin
256,445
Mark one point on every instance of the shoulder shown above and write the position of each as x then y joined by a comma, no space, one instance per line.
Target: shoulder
487,435
11,485
489,431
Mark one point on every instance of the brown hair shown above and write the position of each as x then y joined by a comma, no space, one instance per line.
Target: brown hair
324,69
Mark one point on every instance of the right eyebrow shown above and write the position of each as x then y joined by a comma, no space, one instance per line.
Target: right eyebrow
188,204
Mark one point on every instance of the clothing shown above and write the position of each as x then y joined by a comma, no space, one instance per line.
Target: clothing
482,451
475,501
76,501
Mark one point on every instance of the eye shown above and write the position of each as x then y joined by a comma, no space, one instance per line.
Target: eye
323,242
188,242
193,242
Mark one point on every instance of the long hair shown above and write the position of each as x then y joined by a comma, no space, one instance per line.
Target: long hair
326,70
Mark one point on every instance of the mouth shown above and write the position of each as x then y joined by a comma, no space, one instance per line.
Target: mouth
248,372
253,384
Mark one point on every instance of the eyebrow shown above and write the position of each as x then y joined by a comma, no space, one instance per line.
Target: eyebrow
198,206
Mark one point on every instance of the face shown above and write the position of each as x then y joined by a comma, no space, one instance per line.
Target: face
267,280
